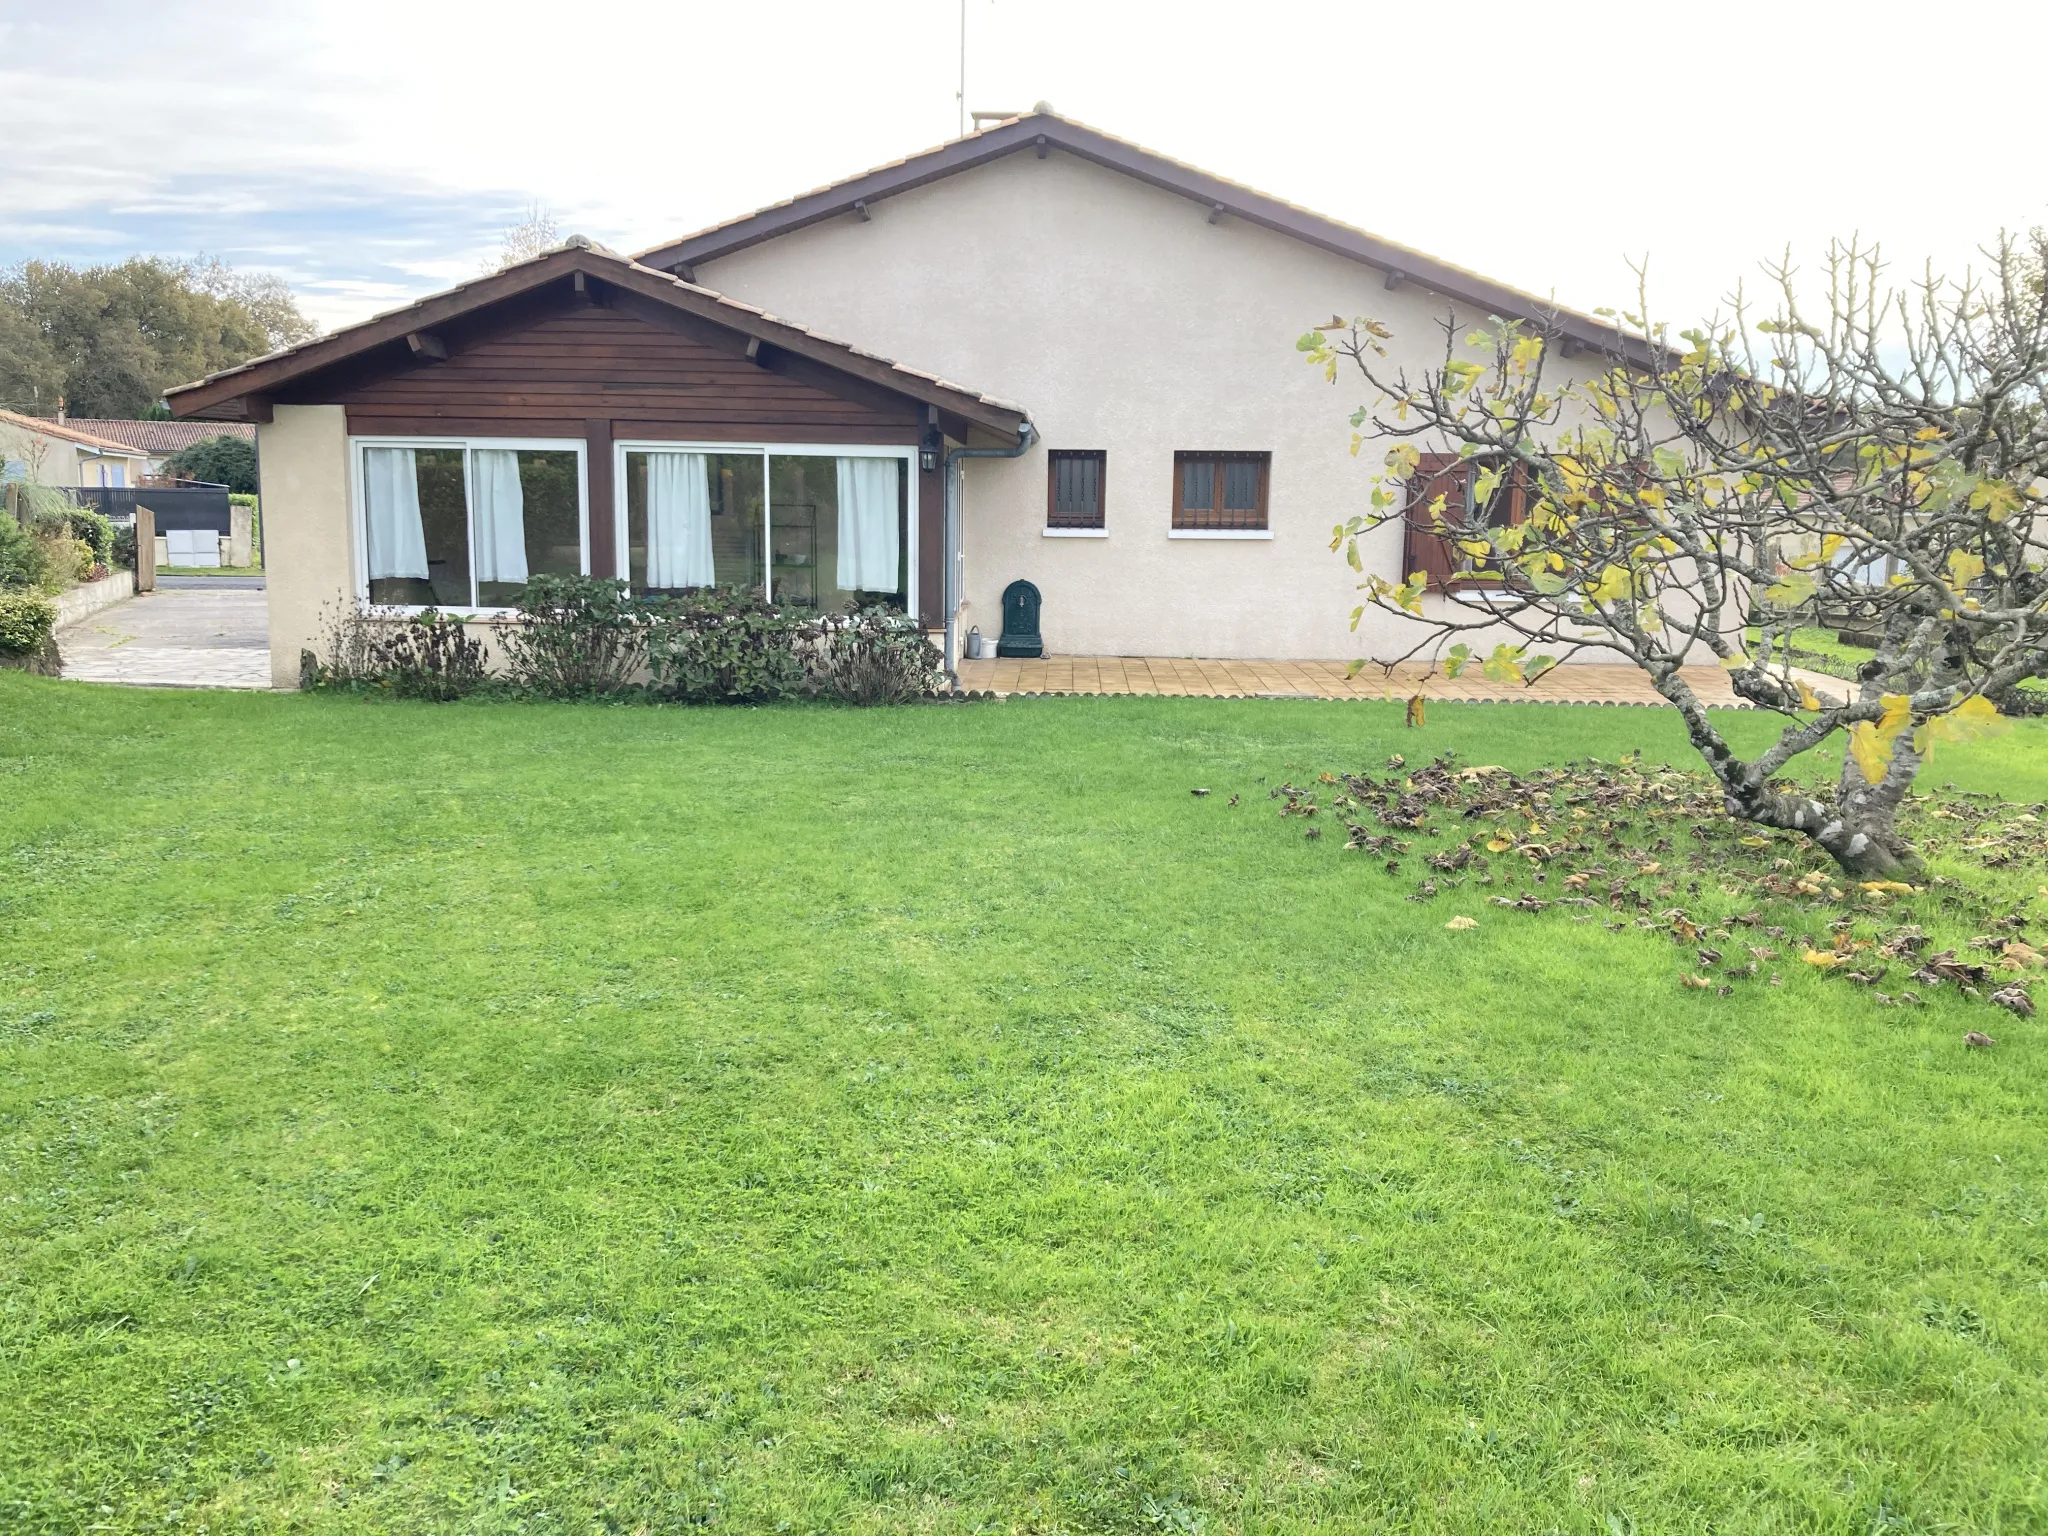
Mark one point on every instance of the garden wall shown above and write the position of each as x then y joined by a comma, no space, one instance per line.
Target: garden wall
91,597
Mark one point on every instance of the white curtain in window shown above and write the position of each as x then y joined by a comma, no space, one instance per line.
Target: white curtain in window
500,508
679,521
391,502
869,550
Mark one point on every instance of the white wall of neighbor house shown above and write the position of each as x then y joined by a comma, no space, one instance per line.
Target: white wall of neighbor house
307,554
1122,319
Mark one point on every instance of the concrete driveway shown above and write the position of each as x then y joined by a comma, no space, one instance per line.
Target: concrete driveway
191,635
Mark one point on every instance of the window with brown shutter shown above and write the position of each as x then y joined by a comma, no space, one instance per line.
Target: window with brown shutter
1074,487
1222,491
1435,552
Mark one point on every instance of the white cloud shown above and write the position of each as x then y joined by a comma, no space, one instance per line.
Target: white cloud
385,141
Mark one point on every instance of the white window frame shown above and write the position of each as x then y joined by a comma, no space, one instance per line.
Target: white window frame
359,512
905,453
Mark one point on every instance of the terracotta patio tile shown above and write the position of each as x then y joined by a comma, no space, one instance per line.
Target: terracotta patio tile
1183,676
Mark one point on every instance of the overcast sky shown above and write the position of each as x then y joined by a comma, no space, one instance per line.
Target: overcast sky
372,151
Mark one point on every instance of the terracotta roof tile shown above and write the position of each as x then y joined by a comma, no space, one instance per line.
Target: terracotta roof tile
161,436
45,428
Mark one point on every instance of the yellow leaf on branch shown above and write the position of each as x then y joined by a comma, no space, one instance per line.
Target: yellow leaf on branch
1996,499
1975,719
1870,742
1614,584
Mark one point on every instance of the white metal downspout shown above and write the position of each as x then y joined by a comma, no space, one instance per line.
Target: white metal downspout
955,554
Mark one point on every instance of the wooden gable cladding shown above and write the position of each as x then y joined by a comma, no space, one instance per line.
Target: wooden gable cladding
549,371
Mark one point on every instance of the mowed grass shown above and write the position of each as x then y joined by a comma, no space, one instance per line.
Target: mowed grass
525,1118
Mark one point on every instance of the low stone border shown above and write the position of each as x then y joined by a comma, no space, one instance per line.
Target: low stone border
88,598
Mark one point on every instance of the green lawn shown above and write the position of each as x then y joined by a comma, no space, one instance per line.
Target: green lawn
505,1117
1821,650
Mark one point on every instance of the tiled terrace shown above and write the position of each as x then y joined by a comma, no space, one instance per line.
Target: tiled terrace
1186,677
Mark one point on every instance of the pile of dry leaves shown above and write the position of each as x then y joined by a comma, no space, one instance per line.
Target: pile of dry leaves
1650,847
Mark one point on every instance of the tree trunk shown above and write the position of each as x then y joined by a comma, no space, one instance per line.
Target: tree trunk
1859,831
1866,842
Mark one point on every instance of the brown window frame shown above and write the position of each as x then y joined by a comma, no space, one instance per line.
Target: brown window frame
1216,519
1054,517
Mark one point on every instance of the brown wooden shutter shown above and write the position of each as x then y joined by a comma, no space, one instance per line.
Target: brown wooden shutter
1438,474
1518,495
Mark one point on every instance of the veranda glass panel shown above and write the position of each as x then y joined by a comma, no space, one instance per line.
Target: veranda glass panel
528,519
416,509
693,520
839,531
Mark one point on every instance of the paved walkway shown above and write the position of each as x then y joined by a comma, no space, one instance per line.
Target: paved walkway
1578,683
183,637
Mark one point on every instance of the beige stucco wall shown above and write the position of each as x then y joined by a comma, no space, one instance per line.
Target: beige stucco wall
307,558
1122,319
89,465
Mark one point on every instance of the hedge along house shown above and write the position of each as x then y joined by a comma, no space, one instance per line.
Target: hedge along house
582,414
1171,493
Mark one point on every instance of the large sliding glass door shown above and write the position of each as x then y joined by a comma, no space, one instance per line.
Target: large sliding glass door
463,524
693,520
841,534
822,529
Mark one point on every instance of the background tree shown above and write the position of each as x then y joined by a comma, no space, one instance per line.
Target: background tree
109,340
1888,452
532,236
229,461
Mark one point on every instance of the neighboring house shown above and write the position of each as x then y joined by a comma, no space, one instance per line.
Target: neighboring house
1147,446
159,441
63,454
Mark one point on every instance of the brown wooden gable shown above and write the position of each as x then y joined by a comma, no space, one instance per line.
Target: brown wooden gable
549,372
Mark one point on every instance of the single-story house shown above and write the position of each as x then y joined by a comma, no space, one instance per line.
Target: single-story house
159,441
65,454
1067,360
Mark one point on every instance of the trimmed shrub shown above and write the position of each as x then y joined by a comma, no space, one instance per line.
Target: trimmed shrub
576,637
124,547
91,528
27,622
876,656
580,637
428,656
74,559
432,656
22,558
724,645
